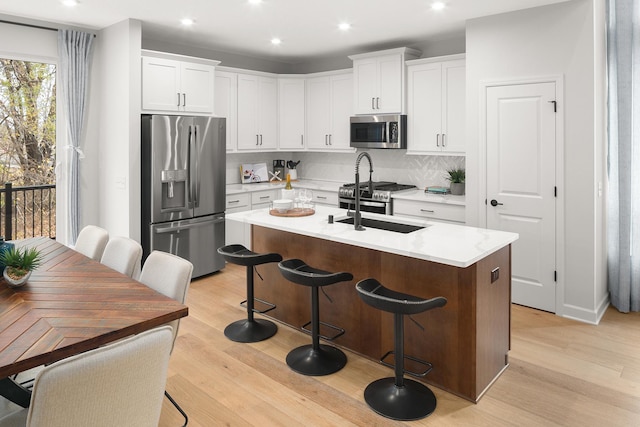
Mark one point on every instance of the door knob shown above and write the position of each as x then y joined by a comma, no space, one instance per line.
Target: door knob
494,202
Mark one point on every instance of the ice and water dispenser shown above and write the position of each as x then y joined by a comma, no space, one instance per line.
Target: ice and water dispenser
174,189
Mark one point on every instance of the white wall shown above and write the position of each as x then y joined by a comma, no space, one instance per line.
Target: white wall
117,143
545,41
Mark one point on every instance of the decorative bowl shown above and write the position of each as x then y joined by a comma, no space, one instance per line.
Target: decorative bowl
282,205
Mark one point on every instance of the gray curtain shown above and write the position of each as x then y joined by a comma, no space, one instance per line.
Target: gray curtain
623,203
74,51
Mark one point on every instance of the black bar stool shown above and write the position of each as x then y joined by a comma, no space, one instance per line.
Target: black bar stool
249,329
315,359
396,397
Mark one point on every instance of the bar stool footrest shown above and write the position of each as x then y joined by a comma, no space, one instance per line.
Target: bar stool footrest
413,359
269,305
327,325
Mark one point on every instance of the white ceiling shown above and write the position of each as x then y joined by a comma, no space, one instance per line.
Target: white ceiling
307,28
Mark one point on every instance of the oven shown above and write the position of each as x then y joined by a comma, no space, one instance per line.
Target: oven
379,200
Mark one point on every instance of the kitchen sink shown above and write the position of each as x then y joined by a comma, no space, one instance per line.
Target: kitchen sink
385,225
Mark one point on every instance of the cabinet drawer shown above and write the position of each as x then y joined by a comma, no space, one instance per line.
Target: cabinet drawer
429,210
263,197
238,201
325,198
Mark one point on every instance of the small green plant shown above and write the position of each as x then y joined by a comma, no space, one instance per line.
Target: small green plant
456,176
20,261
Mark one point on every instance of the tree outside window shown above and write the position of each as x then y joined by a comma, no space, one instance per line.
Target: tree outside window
27,141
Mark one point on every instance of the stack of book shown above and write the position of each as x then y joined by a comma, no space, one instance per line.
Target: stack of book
437,190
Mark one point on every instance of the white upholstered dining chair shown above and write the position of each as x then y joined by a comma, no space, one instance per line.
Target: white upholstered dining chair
92,241
120,384
170,275
123,255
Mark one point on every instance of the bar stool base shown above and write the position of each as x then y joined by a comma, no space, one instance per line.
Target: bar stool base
250,331
324,361
411,402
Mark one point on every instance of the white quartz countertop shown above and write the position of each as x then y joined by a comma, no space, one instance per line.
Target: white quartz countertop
450,244
303,183
312,184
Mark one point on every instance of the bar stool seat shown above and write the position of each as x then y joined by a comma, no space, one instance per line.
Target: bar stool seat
315,359
249,329
396,397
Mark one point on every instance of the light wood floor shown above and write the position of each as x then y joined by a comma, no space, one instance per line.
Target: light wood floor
562,372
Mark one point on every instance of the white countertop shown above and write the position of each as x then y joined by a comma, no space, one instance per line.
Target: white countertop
303,183
312,184
450,244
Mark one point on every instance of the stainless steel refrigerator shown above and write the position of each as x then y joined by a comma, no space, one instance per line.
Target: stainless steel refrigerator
183,188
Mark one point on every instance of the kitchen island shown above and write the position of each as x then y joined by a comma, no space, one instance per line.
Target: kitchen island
467,341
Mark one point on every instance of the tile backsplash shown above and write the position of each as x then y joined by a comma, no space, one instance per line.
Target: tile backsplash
388,165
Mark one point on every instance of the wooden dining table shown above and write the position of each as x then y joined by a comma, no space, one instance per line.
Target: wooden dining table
71,304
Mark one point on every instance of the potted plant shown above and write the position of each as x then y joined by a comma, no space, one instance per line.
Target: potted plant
457,177
19,265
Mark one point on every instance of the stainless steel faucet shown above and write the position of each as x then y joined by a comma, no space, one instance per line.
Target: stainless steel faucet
357,218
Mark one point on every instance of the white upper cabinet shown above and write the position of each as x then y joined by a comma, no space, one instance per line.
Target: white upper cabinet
291,113
436,106
226,104
329,106
173,83
257,112
379,81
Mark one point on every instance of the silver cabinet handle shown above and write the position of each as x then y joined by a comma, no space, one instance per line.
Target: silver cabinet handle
301,139
178,98
184,99
260,139
329,139
444,142
233,201
438,140
377,103
427,210
264,197
321,197
373,107
257,139
326,140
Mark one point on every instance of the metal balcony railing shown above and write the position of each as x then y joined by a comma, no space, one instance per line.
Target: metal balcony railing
28,211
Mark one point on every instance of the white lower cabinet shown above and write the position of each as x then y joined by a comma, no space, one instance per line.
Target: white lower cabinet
261,199
429,210
326,198
237,232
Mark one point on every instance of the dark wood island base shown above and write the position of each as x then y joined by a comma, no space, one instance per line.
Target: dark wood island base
467,341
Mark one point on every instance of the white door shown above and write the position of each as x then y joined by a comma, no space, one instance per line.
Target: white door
197,84
521,184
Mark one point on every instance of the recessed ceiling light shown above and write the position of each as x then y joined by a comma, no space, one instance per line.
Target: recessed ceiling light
276,41
187,21
70,3
437,5
344,26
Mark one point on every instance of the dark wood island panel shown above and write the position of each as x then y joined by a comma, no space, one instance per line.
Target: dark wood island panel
467,341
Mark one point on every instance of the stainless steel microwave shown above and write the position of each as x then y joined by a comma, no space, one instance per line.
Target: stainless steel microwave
384,131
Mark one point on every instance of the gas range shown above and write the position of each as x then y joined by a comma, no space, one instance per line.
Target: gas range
379,200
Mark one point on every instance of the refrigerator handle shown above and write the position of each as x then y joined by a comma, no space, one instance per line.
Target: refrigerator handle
174,228
196,166
189,162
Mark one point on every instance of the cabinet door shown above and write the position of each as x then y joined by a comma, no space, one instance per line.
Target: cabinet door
248,135
389,98
453,106
291,107
197,87
319,112
341,111
424,110
268,113
226,88
160,84
366,88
